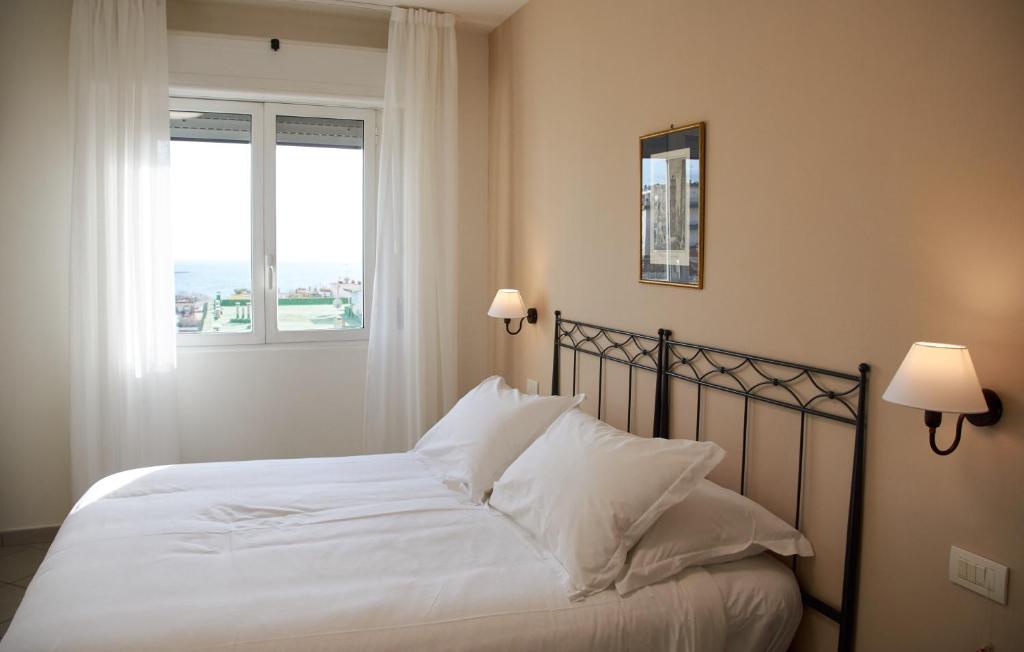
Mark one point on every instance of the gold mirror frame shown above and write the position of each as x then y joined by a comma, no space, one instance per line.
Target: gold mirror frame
700,129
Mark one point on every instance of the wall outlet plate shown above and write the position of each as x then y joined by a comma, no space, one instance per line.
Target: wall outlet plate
532,386
978,574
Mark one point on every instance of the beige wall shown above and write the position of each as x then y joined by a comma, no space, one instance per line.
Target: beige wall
34,186
475,290
864,191
320,24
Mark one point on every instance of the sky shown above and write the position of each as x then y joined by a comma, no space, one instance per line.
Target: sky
319,203
655,170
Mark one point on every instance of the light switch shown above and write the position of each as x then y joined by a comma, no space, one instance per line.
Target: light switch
978,574
532,386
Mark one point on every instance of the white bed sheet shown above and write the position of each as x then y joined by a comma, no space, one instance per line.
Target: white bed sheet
356,553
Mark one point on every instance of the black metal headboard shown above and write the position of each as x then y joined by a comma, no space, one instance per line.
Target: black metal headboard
810,391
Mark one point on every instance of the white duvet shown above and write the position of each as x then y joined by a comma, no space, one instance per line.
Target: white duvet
356,553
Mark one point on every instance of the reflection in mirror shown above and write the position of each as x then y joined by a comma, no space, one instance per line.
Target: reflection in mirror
672,206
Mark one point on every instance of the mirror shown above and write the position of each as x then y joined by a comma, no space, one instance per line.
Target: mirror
672,206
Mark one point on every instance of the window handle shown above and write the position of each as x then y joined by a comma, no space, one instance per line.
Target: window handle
271,271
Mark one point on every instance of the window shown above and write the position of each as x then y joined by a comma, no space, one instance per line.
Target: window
212,214
271,206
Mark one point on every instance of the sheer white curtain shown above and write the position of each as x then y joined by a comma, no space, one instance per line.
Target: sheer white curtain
412,363
122,268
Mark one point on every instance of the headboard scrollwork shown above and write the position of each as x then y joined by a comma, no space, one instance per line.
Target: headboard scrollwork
812,392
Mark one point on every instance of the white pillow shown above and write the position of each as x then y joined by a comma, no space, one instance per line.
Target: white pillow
587,492
713,525
472,445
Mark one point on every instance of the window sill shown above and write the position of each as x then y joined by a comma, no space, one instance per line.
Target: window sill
199,349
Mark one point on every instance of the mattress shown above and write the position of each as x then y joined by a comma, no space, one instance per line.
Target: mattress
355,553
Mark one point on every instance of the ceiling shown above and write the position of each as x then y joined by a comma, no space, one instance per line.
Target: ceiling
484,13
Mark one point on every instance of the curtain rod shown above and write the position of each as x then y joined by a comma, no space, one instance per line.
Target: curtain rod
358,4
372,5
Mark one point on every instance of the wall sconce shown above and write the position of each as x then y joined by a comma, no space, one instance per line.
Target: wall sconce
940,378
508,305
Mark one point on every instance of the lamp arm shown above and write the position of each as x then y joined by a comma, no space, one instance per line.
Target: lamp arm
982,419
531,318
516,331
956,439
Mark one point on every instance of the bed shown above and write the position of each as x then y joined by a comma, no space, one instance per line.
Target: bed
357,553
375,553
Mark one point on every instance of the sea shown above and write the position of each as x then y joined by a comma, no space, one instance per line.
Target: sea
208,277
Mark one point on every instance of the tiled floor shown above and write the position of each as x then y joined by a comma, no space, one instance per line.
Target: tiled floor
17,566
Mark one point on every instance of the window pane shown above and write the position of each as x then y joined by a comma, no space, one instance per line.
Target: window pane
319,223
211,209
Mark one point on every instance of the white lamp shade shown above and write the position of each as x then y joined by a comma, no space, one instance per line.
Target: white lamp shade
507,304
939,378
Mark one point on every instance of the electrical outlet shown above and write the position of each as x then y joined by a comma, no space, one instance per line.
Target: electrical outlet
978,574
532,386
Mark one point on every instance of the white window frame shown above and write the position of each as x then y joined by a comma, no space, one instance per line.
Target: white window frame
264,214
369,118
